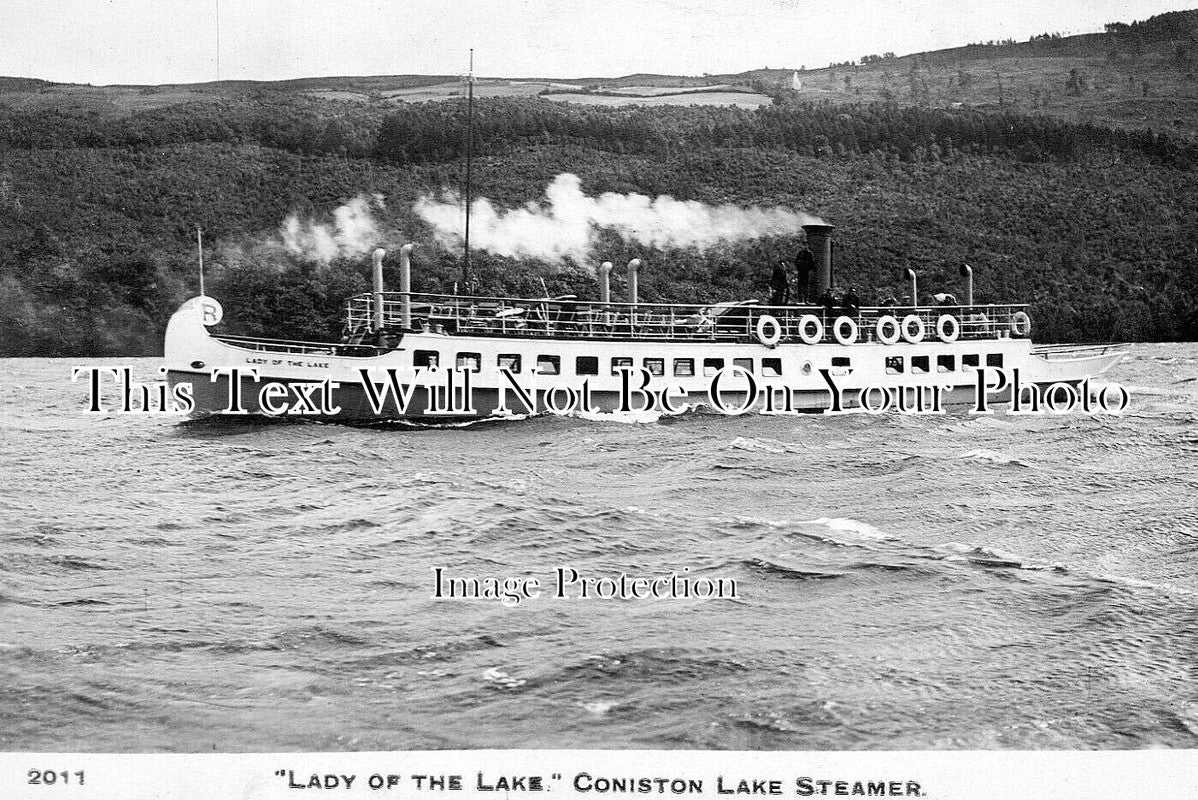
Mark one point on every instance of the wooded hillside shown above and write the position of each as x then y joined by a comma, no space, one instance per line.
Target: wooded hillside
1091,218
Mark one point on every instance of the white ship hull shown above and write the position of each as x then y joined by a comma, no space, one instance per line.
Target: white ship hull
478,376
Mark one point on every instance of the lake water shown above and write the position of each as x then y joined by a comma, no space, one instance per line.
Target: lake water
903,582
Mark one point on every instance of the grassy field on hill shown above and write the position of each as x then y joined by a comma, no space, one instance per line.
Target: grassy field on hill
1070,202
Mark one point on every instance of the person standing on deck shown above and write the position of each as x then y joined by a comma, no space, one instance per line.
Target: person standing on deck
805,265
779,285
851,302
828,301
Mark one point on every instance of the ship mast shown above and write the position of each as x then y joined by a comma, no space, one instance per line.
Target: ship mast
469,158
200,250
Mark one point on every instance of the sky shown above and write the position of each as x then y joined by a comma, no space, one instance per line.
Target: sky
186,41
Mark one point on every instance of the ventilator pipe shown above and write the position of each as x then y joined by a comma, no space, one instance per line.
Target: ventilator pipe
967,274
605,282
914,287
405,286
378,288
633,266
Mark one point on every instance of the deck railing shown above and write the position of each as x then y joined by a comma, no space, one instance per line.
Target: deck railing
561,318
294,347
1065,352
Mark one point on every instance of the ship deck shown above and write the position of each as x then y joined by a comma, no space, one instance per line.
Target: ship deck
568,318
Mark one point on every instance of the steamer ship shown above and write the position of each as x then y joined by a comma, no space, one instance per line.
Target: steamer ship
407,355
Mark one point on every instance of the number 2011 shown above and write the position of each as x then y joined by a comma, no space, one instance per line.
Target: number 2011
49,777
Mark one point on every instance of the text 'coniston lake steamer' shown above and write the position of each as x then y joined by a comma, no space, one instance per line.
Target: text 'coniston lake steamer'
418,356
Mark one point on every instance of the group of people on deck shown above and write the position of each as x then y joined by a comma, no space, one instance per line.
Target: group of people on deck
804,291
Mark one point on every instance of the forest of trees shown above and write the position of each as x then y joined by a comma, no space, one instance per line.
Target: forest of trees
1167,27
432,132
1092,225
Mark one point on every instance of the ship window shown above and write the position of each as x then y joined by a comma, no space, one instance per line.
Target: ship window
549,365
744,363
945,363
586,365
510,362
684,367
712,365
426,358
771,367
842,361
994,360
656,366
470,361
619,363
919,364
970,360
894,365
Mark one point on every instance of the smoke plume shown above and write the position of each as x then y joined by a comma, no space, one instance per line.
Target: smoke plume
565,226
353,232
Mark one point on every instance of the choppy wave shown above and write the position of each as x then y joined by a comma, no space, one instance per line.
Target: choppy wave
955,582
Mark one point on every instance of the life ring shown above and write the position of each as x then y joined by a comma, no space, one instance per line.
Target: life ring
838,327
769,332
1021,324
887,329
947,328
916,335
805,322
